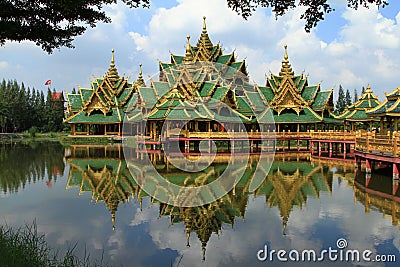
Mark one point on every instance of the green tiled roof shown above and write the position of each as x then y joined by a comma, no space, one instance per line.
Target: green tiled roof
219,93
244,106
115,116
255,100
207,89
86,94
75,102
224,59
267,92
161,88
321,99
236,65
148,96
177,59
309,92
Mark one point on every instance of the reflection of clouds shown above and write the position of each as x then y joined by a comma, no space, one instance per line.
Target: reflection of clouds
141,237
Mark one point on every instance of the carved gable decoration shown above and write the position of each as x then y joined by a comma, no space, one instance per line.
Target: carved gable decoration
288,98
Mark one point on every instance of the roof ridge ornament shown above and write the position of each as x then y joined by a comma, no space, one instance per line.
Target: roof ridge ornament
286,69
140,81
204,38
188,55
112,73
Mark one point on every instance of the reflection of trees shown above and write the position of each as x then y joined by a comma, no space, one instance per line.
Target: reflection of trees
21,164
288,184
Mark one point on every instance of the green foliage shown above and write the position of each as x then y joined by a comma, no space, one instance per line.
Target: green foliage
25,246
355,96
341,102
33,131
22,108
315,10
24,164
347,98
52,23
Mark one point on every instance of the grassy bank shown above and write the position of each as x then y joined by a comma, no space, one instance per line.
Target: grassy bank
26,247
26,138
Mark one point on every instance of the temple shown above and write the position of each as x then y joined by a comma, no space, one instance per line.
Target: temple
388,112
296,105
203,93
100,110
356,114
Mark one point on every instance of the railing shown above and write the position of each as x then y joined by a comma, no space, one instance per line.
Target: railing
371,142
333,135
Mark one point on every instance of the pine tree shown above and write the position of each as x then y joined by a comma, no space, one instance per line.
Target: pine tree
347,98
340,104
362,90
355,96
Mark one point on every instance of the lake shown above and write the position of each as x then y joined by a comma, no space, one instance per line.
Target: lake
89,197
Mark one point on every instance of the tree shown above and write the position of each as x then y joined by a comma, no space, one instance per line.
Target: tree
52,23
355,96
347,99
55,23
340,104
362,90
315,9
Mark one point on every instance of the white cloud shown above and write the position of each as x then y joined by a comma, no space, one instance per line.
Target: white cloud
3,64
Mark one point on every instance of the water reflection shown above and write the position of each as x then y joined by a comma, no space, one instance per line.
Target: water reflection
289,183
302,204
23,164
379,193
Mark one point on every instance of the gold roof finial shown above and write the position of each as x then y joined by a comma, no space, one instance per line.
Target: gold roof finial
204,38
188,55
203,249
112,58
285,220
368,89
113,220
187,238
140,80
286,57
112,73
286,69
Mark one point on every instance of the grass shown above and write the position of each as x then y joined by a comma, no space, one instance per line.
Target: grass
24,246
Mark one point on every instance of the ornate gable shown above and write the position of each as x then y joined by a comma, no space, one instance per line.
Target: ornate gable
287,94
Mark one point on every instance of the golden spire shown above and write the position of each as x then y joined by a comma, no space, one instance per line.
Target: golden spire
140,80
286,68
188,55
188,238
284,222
113,220
204,38
368,89
112,73
203,249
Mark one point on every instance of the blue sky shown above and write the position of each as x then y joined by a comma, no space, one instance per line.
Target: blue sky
351,48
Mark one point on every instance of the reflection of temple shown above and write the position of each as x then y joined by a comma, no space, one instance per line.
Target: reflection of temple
377,193
208,219
103,172
290,182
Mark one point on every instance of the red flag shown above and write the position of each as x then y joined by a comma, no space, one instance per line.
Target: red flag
48,82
